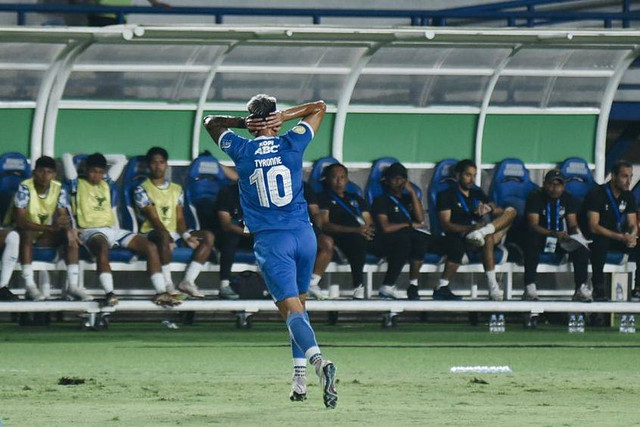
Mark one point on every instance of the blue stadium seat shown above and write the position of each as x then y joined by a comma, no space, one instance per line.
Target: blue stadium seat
205,179
373,188
135,172
511,185
316,180
14,168
579,177
443,178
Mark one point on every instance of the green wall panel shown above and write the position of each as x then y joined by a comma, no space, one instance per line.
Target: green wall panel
319,147
130,132
409,137
15,128
539,138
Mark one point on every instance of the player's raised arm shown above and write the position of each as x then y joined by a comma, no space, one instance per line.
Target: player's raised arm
217,125
312,113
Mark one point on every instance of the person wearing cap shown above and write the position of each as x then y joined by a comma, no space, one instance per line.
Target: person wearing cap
402,237
467,214
551,215
609,210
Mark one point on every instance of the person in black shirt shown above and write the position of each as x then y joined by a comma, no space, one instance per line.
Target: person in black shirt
467,214
231,235
400,218
551,216
346,217
325,244
610,213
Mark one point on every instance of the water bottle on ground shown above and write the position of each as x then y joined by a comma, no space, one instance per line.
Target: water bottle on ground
501,323
624,324
619,292
580,324
493,324
572,324
631,324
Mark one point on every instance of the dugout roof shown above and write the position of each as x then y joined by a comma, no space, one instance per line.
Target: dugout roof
422,70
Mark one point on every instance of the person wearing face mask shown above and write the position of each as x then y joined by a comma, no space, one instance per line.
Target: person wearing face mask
551,215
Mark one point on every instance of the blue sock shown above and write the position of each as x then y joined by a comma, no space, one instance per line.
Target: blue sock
296,351
302,334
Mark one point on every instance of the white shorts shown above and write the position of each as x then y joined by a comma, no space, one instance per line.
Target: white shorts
115,236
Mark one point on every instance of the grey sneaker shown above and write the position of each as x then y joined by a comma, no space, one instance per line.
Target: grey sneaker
76,293
190,289
358,292
495,293
227,293
316,292
298,389
475,238
327,374
530,292
34,294
388,292
583,294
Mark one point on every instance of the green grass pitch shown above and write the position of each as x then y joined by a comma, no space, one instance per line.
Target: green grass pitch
212,373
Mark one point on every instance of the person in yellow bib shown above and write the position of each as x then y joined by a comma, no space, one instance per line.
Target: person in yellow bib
42,214
161,203
99,230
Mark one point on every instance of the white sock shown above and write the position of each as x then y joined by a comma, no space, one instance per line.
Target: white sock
166,273
413,282
106,280
9,257
73,273
27,275
487,229
491,277
315,279
224,283
442,283
193,270
299,363
158,281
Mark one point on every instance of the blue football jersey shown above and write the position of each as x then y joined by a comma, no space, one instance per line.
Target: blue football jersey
270,171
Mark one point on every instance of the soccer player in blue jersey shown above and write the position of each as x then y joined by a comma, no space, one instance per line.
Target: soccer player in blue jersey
275,212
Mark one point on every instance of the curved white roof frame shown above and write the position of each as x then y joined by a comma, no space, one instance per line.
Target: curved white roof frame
337,144
482,117
605,110
42,99
51,118
197,120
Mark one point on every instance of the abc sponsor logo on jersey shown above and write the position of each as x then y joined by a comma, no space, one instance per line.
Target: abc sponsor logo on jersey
266,147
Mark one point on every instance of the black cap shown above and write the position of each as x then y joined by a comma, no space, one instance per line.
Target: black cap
396,169
554,175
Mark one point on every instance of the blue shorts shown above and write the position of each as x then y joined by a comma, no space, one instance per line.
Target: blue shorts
286,259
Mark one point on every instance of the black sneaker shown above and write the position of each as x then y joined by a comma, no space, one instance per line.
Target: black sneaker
111,299
444,293
412,293
635,294
7,295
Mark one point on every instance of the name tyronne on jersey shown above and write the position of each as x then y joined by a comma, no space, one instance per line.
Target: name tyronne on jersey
270,161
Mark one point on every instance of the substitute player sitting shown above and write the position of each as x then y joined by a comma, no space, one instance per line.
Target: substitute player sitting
99,231
275,212
161,203
42,214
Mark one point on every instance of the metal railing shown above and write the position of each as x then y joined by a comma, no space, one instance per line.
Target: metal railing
483,13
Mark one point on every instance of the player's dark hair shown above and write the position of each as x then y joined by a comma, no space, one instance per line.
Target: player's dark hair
157,151
615,170
462,165
327,171
261,105
45,162
96,160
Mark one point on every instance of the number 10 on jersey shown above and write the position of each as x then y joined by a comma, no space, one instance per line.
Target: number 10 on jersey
268,188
